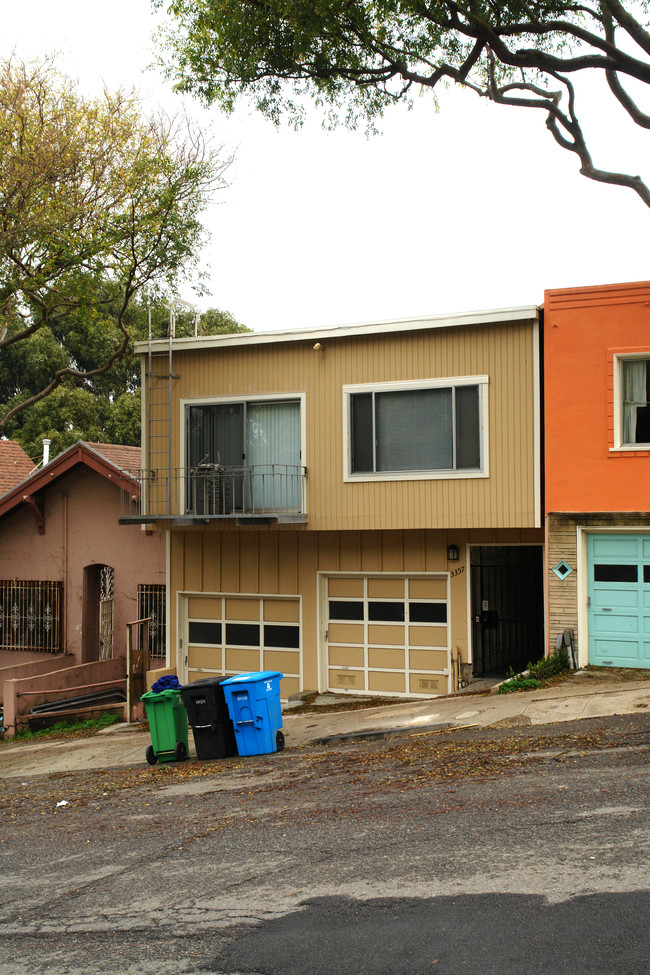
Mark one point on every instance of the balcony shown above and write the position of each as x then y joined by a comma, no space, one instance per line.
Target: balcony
261,494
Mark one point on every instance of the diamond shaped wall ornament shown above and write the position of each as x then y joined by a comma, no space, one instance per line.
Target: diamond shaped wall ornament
562,569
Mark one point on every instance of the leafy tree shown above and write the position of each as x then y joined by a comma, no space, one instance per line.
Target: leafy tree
356,57
97,204
106,407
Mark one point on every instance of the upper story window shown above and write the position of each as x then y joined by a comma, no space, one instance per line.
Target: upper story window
432,428
635,386
244,433
244,455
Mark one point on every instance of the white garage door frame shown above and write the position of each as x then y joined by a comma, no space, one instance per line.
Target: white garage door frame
183,597
323,578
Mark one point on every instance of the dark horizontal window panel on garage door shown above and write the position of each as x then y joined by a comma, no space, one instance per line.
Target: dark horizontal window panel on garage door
279,635
386,611
646,573
343,609
243,634
428,612
205,634
615,573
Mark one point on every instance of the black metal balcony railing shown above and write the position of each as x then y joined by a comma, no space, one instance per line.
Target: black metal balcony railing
213,491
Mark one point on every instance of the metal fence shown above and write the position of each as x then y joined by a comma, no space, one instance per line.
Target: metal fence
211,490
31,615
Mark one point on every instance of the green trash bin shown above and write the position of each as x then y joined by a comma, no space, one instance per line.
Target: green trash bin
167,724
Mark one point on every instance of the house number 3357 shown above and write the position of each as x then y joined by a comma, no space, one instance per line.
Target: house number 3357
457,572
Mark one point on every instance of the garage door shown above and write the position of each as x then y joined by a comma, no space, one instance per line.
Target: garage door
619,600
387,635
227,635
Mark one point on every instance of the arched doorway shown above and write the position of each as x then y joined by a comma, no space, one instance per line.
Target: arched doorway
98,612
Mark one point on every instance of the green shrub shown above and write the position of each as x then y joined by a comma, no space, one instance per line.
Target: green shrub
556,663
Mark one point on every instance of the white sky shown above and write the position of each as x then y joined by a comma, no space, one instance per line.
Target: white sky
470,208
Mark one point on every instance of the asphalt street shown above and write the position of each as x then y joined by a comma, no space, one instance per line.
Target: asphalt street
487,851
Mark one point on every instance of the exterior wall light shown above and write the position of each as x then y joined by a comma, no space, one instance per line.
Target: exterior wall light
453,553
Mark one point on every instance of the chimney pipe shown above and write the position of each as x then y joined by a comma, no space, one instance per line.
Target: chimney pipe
46,451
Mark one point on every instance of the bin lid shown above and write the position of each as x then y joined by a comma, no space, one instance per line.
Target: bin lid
204,682
156,695
251,678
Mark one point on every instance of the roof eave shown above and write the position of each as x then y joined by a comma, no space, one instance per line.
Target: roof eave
80,454
492,317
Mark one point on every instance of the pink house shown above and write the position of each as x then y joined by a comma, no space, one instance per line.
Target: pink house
71,578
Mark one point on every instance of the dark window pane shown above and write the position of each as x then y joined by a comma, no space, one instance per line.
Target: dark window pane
362,435
386,612
281,635
615,573
243,634
345,610
414,430
468,447
216,434
428,612
206,634
643,424
646,573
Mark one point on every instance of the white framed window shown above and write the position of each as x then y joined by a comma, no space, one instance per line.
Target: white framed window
425,429
632,402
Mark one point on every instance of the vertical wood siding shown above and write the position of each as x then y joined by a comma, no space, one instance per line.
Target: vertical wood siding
504,352
253,562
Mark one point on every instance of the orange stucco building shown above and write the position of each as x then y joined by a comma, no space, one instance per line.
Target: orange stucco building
597,470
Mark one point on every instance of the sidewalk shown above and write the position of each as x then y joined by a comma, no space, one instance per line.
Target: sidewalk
580,697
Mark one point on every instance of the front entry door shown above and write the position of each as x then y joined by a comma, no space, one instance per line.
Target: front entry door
507,607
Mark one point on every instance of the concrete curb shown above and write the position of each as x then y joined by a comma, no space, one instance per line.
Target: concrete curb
370,734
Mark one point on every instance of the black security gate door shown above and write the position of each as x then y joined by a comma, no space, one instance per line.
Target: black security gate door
507,607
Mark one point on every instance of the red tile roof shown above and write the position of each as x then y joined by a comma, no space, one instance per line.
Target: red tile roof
126,458
15,465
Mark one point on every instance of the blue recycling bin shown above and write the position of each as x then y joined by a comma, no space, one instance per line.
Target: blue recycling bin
253,702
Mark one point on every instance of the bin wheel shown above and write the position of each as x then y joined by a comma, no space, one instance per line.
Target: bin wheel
279,741
150,755
180,751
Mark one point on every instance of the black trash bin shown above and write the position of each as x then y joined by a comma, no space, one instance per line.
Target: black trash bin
210,721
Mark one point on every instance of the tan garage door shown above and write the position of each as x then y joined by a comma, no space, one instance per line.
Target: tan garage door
227,635
387,635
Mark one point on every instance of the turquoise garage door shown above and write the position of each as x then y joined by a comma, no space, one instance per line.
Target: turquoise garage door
619,600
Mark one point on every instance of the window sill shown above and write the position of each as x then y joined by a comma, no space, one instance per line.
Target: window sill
631,449
415,476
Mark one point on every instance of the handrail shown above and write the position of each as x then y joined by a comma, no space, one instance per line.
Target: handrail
218,491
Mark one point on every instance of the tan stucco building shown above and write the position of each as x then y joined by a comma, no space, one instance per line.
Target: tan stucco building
357,507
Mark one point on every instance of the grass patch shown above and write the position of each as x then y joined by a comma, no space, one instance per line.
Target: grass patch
519,684
70,729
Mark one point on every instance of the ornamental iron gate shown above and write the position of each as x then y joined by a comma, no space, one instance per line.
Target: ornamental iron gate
106,611
151,607
31,615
